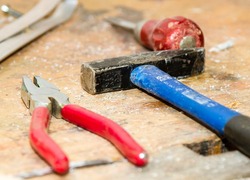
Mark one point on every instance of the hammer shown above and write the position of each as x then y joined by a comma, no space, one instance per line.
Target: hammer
152,72
114,74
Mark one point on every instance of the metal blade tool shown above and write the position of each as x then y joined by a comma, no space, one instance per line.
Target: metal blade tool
61,14
43,8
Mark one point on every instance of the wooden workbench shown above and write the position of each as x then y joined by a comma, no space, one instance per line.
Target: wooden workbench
179,147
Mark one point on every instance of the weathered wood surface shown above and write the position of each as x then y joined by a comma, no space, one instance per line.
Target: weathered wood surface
161,129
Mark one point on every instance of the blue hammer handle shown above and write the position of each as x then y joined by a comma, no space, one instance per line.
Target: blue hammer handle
226,122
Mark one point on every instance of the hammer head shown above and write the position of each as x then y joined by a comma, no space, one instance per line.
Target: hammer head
42,93
113,74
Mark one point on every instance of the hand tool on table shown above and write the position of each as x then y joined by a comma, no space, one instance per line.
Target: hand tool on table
10,42
227,123
144,74
170,33
43,99
43,8
113,74
72,165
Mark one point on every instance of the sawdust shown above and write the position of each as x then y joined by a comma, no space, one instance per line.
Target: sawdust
233,105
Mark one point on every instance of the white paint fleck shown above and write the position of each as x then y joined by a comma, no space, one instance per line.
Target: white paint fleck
163,78
222,46
199,99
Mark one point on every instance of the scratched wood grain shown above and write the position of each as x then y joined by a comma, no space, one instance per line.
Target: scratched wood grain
164,131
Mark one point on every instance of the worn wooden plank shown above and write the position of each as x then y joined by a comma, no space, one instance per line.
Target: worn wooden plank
161,129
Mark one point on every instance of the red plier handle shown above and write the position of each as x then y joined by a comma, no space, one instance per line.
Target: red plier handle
88,120
43,144
107,129
43,99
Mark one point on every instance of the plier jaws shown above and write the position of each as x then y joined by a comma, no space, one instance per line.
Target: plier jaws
43,93
44,99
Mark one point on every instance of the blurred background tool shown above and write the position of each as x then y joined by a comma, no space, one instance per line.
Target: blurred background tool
170,33
37,26
43,8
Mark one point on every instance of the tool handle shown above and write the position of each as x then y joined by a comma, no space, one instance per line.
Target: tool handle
226,122
107,129
162,85
171,33
237,131
43,144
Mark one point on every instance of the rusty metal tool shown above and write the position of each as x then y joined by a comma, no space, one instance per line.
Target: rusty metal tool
113,74
44,99
171,33
62,13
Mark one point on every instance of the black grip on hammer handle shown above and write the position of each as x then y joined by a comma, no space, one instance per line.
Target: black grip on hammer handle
237,132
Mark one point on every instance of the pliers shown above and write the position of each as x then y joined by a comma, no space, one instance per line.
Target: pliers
44,99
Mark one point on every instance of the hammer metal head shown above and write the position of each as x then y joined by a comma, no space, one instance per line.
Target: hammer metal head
42,93
113,74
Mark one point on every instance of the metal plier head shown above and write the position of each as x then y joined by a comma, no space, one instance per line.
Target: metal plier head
42,93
